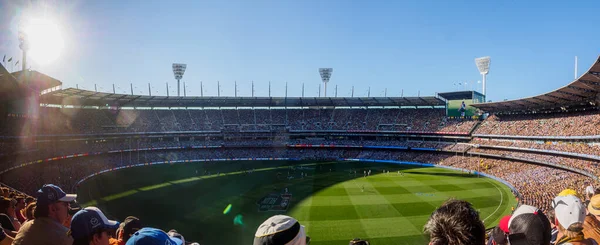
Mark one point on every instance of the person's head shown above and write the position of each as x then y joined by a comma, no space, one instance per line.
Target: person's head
20,202
280,230
551,217
89,226
29,200
570,214
151,236
455,222
594,206
498,236
7,206
53,202
27,212
529,226
128,227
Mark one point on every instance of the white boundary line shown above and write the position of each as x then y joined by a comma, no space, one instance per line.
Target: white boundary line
499,205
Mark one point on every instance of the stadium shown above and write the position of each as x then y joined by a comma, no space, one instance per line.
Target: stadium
344,167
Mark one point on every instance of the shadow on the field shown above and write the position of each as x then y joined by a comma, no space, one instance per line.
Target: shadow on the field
196,207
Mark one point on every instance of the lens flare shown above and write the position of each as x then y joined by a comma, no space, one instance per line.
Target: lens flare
227,209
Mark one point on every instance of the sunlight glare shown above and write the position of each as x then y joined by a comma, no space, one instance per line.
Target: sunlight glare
45,40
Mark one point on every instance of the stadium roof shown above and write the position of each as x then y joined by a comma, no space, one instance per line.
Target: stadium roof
80,97
583,91
36,80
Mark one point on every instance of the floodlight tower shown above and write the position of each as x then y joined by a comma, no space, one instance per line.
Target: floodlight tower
325,75
178,70
24,46
483,65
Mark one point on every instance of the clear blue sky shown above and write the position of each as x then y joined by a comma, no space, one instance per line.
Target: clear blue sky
425,46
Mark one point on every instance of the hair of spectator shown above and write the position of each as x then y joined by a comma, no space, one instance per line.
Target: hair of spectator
86,240
41,211
573,231
28,211
455,222
5,203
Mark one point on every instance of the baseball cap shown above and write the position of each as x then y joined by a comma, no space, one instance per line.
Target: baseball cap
529,226
568,210
174,233
280,229
129,226
523,209
88,220
594,206
152,236
50,193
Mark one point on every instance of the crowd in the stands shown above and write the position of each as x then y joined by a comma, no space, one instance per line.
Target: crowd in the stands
582,148
542,124
591,166
86,121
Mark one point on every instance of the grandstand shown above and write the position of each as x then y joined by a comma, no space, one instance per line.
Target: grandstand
537,146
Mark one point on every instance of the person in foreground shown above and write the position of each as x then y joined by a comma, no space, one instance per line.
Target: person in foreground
570,215
455,222
529,226
280,230
153,236
89,226
126,229
50,214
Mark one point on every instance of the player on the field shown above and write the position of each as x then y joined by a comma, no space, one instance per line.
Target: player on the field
365,173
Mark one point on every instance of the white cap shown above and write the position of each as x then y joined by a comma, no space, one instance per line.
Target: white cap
523,209
568,210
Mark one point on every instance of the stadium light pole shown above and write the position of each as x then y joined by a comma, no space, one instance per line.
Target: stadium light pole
95,88
319,90
114,91
325,75
483,65
302,89
352,92
235,89
149,90
24,46
269,89
218,89
252,88
184,90
167,89
201,89
131,85
178,70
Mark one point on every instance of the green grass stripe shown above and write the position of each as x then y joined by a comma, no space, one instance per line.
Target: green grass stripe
348,229
117,196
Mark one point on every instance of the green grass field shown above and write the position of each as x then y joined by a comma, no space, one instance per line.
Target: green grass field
333,204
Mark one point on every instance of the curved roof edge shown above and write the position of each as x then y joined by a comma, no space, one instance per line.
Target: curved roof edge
581,92
81,97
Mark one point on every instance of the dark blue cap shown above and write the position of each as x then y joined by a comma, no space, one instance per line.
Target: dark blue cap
89,220
50,193
152,236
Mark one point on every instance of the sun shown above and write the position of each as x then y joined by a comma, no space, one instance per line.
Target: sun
46,42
